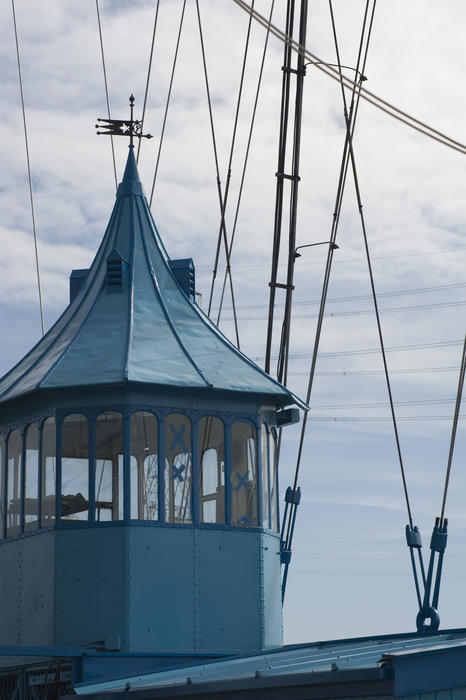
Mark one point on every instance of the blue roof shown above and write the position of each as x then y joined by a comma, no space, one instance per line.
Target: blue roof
149,332
321,661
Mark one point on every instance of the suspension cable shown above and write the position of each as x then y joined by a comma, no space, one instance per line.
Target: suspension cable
334,228
219,186
246,158
372,283
222,235
148,75
453,431
36,251
106,88
381,104
167,103
227,187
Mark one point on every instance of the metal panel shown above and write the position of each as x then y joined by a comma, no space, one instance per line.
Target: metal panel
38,589
230,604
161,588
90,590
271,591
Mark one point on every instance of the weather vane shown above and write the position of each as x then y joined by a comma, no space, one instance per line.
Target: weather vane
118,127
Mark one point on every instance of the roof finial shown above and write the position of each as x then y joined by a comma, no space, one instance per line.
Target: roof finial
118,127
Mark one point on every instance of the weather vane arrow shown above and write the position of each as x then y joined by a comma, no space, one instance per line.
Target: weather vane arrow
119,127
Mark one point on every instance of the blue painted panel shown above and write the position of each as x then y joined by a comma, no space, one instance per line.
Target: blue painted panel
271,590
90,585
27,590
161,588
230,604
38,589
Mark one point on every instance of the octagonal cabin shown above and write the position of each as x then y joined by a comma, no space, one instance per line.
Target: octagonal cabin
138,457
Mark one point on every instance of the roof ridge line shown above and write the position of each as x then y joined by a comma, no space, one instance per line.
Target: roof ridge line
70,344
129,327
164,308
60,333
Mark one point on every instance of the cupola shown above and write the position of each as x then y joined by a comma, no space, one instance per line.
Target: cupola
138,501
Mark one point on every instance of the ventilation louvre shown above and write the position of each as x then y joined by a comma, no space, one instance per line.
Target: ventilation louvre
115,272
183,270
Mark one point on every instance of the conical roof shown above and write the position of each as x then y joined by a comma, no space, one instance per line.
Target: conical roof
149,331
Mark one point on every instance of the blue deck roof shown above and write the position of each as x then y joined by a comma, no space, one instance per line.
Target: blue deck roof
149,332
413,663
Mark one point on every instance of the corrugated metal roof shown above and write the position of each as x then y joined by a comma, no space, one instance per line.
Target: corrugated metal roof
341,655
148,332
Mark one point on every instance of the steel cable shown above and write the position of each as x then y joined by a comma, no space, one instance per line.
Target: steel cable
36,251
148,75
454,427
370,97
106,88
167,103
222,235
246,158
350,125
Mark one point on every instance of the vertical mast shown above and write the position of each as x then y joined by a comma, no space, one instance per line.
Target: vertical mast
294,178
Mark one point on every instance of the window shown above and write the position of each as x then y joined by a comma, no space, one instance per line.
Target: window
13,482
178,454
211,452
75,468
49,468
109,466
144,466
244,475
265,477
31,481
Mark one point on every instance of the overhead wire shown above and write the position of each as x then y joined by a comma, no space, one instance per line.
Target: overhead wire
31,197
366,94
106,87
365,312
149,68
167,104
373,351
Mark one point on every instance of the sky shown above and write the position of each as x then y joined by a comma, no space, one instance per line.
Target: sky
350,573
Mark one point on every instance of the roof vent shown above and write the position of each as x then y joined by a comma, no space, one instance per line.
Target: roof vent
183,271
77,279
115,272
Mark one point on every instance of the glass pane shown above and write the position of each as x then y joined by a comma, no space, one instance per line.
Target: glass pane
265,478
178,469
31,514
2,471
13,483
109,466
274,481
244,475
49,464
75,468
211,455
144,466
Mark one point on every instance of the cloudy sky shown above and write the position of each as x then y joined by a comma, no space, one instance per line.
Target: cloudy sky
350,573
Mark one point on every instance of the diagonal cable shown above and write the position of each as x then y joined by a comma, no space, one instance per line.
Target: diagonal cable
168,102
36,251
243,175
148,75
106,87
